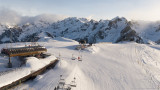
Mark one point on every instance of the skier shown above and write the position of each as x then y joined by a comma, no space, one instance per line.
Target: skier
78,58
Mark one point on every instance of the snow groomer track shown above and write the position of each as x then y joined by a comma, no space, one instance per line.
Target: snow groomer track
30,76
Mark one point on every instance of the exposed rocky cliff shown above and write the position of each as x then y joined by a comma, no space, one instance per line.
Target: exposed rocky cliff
115,30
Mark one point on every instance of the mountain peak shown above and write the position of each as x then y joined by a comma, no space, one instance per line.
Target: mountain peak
115,30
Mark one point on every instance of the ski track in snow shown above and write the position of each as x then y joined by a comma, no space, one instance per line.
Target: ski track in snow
150,63
110,67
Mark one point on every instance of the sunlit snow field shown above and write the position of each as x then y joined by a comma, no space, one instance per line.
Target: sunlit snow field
104,66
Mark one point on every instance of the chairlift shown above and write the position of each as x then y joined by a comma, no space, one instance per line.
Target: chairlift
73,58
73,83
80,58
61,83
61,80
67,87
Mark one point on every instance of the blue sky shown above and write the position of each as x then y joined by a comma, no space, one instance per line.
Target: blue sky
96,9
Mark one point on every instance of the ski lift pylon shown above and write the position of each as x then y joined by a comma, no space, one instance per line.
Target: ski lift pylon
59,56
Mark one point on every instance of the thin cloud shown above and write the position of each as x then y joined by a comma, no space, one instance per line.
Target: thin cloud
8,16
11,17
150,13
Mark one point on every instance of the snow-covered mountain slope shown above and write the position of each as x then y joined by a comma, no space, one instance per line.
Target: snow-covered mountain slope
128,66
149,31
115,30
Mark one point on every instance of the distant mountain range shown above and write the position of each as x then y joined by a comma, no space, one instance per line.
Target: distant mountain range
115,30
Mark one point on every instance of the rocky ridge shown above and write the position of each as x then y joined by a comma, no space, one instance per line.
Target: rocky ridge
115,30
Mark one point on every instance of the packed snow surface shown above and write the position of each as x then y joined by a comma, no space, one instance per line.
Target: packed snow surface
7,76
104,66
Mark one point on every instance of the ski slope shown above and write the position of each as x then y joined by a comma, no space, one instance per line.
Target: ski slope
105,66
16,73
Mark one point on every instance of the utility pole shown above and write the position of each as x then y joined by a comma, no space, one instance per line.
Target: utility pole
9,63
10,37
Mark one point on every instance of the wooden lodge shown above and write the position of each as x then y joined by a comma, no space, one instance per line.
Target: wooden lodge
23,51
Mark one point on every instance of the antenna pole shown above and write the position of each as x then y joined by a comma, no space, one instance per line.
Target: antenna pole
10,37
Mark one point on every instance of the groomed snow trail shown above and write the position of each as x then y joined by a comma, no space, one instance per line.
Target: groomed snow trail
127,66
